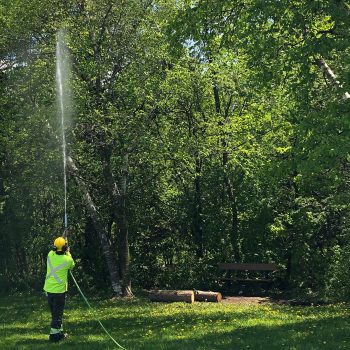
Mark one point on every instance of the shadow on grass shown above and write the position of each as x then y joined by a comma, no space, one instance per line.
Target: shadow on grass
144,326
326,334
332,333
66,344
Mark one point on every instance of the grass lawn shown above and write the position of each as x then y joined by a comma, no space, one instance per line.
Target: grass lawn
138,324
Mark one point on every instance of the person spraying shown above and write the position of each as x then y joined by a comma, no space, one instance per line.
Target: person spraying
59,262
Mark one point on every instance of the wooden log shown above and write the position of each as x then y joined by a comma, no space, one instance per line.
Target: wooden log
207,296
172,295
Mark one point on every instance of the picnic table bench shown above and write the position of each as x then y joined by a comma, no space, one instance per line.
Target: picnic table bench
243,272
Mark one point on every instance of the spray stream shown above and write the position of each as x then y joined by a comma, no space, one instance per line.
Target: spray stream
62,93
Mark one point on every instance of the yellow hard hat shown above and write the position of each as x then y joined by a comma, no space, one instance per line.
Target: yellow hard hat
59,243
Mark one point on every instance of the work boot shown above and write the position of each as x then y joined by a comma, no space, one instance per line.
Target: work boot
55,337
63,335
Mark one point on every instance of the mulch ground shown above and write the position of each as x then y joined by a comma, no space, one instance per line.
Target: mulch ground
245,300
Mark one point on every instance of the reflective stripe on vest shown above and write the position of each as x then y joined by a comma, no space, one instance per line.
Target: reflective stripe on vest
54,270
55,331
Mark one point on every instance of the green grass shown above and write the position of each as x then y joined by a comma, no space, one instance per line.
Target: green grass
138,324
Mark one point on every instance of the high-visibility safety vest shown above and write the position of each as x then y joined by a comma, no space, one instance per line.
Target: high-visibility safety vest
57,272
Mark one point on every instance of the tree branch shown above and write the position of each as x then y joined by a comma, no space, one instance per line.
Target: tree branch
327,71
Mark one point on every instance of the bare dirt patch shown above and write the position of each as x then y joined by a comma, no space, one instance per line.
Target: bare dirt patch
245,300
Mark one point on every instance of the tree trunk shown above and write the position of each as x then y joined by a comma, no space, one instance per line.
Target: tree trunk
172,295
106,248
117,197
122,230
228,184
197,219
118,200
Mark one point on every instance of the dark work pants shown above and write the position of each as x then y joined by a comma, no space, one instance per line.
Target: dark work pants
56,304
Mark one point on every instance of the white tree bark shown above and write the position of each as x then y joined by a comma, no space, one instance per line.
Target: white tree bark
331,76
106,248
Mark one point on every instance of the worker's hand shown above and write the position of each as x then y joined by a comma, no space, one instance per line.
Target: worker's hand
65,232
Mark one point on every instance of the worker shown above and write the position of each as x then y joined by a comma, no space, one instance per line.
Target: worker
59,261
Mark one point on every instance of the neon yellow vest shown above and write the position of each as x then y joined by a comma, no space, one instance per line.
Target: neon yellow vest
57,272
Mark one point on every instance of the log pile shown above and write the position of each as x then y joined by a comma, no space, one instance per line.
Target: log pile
188,296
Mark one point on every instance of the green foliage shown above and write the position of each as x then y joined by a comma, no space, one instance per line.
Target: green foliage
337,287
231,142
